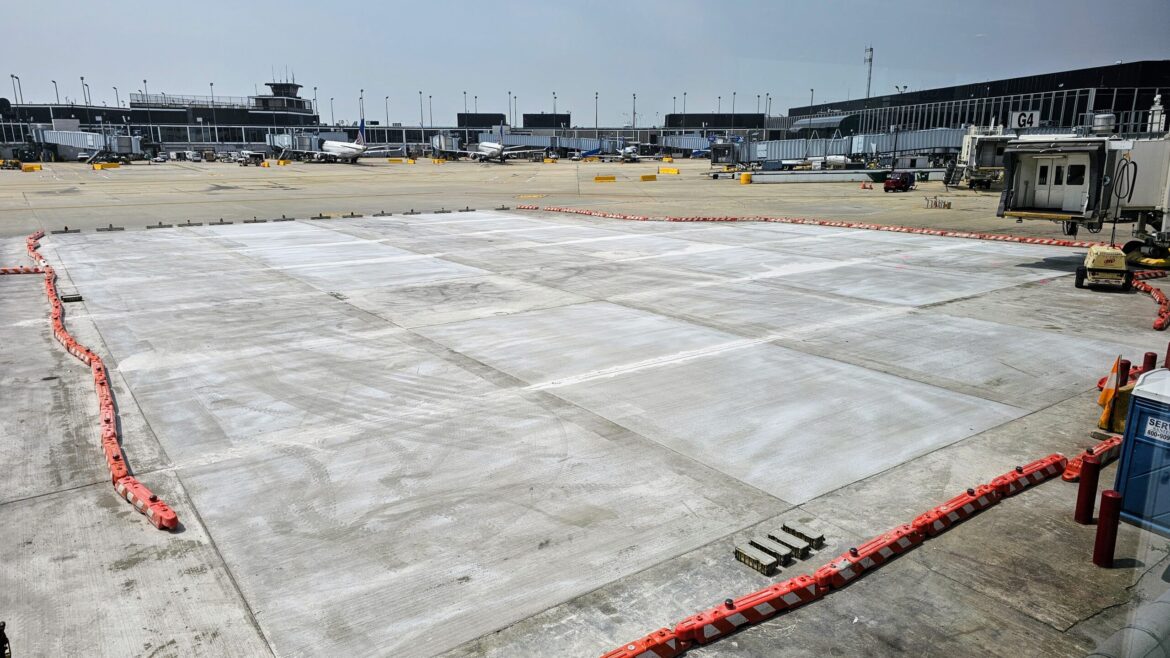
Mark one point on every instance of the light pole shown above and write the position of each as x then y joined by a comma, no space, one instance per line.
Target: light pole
596,132
55,92
733,110
15,97
516,113
811,95
465,102
684,121
476,99
421,119
117,100
214,123
511,118
634,115
149,121
361,103
718,105
430,111
757,103
84,100
332,116
554,102
387,114
674,104
88,96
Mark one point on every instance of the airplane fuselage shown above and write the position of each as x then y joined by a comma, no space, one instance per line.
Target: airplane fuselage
342,150
490,151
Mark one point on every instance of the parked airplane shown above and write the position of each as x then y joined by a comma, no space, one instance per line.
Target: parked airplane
630,154
329,150
495,152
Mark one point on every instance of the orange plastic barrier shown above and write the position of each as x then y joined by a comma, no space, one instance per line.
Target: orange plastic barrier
835,224
662,643
156,511
733,614
1106,451
1163,319
753,608
21,270
144,501
873,553
1029,475
956,510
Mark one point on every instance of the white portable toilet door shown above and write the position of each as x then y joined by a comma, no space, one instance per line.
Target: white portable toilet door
1076,183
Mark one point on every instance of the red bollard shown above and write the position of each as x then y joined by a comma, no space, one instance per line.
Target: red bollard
1149,361
1123,373
1087,489
1110,517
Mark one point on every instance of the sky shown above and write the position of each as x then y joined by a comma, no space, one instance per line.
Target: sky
656,49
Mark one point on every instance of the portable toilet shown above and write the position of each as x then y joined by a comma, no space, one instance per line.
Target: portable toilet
1143,473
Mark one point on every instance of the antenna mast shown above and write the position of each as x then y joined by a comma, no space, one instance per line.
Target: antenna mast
868,76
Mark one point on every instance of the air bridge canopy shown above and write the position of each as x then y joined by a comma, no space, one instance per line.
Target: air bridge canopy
845,124
1054,144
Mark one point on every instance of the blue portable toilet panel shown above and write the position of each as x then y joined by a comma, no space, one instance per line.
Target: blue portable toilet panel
1143,473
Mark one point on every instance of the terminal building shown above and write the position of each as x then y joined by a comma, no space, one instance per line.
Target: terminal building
929,121
1063,100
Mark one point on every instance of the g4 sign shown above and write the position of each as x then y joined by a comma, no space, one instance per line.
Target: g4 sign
1025,119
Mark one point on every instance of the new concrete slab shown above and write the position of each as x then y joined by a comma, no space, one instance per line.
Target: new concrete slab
408,433
788,423
573,341
85,575
978,357
413,542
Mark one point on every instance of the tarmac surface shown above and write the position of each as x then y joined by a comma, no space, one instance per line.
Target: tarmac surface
508,433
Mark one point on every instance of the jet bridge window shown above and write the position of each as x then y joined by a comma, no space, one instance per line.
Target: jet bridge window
1058,177
1042,178
1076,174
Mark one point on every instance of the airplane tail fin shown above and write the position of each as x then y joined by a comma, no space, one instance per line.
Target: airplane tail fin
361,138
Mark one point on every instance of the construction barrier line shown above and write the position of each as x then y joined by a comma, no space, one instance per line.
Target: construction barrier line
956,510
1029,475
710,625
662,643
734,614
128,487
1106,451
870,555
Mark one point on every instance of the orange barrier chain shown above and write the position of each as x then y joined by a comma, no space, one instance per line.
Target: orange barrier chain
21,270
1163,319
1029,475
144,501
733,614
1105,452
710,625
824,222
870,555
956,510
156,511
662,643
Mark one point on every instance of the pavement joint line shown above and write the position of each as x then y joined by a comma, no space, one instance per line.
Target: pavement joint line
102,481
444,352
227,569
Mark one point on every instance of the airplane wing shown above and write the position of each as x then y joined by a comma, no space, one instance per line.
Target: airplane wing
384,148
510,152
